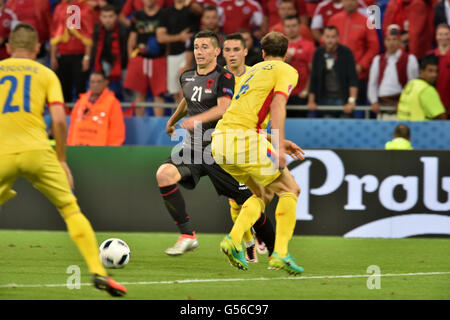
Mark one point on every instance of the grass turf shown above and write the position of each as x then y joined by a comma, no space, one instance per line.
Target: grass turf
42,257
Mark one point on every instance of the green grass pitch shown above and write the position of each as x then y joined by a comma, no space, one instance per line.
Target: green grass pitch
33,265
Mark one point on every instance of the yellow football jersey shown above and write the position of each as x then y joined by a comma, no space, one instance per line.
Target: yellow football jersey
25,87
250,107
238,78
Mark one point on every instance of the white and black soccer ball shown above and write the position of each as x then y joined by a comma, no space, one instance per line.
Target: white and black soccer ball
114,253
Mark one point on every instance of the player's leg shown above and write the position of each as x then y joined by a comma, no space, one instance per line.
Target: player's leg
43,170
168,176
264,231
285,214
8,174
249,214
249,242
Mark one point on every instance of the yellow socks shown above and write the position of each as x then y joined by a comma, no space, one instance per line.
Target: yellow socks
235,209
285,215
81,232
249,214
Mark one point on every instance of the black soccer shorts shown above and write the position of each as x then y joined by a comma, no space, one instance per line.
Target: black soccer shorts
223,183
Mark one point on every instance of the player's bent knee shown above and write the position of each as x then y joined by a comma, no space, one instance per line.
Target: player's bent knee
167,175
267,196
296,190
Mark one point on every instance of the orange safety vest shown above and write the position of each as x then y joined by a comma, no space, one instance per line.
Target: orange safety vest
98,124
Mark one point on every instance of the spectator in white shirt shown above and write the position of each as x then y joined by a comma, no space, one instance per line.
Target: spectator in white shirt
390,72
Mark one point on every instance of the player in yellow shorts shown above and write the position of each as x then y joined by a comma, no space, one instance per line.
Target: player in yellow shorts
242,149
25,150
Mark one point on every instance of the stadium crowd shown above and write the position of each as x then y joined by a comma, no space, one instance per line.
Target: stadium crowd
347,52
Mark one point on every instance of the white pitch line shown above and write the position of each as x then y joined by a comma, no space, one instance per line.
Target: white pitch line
14,285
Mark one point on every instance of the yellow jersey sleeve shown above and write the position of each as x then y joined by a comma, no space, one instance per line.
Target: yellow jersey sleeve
286,78
54,90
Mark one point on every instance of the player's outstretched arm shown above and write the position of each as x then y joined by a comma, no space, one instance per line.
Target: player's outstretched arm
59,130
179,113
213,114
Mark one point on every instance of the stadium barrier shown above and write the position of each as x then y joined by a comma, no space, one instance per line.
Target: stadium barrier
351,193
310,133
364,110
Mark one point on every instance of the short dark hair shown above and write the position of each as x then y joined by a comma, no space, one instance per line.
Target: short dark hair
235,36
208,34
100,73
244,30
331,28
430,59
274,44
402,131
286,1
442,25
291,17
209,8
108,8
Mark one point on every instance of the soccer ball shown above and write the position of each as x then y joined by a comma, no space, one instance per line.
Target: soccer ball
114,253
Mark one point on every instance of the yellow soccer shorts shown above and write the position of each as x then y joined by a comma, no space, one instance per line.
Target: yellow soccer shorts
42,169
244,155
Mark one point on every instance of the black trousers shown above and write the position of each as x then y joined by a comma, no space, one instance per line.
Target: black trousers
71,76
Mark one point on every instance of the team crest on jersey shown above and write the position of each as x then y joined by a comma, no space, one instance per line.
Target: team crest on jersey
209,83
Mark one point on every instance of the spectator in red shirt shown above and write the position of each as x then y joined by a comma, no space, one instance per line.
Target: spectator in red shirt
7,21
37,13
443,53
71,45
287,8
241,14
415,18
325,10
271,16
299,55
363,42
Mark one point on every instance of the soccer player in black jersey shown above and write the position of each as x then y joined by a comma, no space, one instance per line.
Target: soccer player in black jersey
207,92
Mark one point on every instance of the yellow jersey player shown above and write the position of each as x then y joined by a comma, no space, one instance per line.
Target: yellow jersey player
25,150
234,53
241,149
